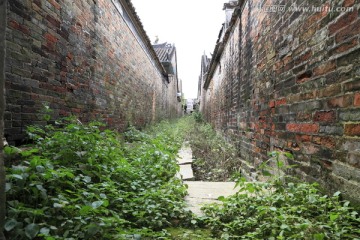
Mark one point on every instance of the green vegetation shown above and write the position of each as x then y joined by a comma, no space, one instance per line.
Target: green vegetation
215,158
80,182
83,182
190,234
282,208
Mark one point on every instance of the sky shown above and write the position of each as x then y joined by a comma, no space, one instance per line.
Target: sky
192,25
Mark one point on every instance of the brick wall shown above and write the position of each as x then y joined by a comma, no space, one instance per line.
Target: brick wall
90,58
290,80
174,109
2,106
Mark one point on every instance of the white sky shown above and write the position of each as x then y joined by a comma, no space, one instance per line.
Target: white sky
192,25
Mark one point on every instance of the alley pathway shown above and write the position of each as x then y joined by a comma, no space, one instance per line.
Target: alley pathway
199,192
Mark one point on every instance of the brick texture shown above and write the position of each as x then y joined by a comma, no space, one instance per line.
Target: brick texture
290,80
82,58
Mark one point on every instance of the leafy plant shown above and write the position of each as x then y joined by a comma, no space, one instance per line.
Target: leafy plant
282,209
80,182
198,117
215,158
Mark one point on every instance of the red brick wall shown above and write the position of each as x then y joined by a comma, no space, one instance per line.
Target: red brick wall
295,87
82,58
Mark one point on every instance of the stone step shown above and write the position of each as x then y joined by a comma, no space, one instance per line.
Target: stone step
186,172
185,154
185,160
200,193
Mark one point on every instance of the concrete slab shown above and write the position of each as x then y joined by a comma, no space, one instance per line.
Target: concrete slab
210,190
186,172
195,204
200,193
185,154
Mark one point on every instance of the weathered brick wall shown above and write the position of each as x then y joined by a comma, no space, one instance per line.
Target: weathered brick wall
292,82
2,106
174,108
82,58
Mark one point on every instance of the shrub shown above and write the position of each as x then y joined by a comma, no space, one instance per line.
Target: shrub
282,209
81,182
198,117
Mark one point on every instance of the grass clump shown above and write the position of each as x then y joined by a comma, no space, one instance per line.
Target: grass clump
81,182
215,158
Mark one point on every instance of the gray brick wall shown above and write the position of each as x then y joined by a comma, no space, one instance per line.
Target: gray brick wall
83,58
290,80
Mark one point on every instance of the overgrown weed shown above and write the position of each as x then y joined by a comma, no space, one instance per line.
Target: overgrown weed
282,208
80,182
215,158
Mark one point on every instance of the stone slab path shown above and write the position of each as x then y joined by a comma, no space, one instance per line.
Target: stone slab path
200,193
185,161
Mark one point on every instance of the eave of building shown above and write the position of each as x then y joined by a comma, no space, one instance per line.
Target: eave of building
219,48
166,52
130,9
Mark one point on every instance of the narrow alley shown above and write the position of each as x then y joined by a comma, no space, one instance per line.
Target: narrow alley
221,119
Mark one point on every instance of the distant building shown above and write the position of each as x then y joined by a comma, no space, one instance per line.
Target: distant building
190,105
167,55
205,63
204,88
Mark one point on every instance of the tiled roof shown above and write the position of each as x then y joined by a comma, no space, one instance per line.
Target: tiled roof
142,32
164,51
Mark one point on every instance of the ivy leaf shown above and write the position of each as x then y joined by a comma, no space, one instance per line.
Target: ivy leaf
11,150
81,154
106,203
97,204
85,210
40,169
57,205
32,230
45,231
319,236
333,216
284,226
250,188
17,176
312,199
137,236
92,230
29,152
337,194
221,198
10,224
8,187
87,179
41,188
